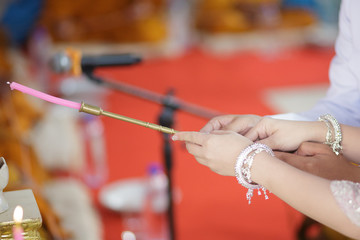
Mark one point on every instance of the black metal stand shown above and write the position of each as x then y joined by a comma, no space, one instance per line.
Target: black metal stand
152,96
166,118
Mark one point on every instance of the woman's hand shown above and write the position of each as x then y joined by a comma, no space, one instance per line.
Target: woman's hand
237,123
320,160
217,150
285,135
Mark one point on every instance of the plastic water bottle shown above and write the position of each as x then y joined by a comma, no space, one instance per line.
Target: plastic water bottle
156,204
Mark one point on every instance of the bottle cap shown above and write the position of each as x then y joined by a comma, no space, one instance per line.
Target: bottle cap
154,168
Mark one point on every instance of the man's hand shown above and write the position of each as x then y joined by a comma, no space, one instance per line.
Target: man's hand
236,123
320,160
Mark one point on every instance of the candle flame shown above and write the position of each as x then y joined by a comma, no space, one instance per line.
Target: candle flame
128,235
18,214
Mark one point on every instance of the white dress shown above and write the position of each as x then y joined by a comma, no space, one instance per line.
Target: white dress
347,195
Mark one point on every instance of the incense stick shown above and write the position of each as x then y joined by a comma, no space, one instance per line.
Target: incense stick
83,107
44,96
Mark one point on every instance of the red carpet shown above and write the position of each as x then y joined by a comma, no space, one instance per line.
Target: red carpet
212,207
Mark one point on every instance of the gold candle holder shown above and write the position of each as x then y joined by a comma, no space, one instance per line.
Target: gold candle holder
97,111
31,221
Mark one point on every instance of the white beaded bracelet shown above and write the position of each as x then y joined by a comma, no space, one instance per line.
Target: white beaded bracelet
336,143
243,167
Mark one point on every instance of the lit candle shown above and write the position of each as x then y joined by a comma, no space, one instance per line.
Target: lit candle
127,235
44,96
17,229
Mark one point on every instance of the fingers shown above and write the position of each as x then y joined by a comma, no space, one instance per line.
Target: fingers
210,126
196,137
217,123
258,132
242,124
194,144
221,132
190,137
252,134
311,149
236,126
236,123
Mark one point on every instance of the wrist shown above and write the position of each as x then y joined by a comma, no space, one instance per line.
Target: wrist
334,135
243,167
318,132
261,166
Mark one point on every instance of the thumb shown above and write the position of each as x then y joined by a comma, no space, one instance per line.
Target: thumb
253,134
209,127
258,132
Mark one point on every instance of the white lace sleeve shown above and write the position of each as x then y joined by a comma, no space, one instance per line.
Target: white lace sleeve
347,195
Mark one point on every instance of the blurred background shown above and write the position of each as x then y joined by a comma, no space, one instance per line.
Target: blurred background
200,58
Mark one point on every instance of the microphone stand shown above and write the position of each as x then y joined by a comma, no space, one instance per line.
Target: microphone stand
151,96
166,118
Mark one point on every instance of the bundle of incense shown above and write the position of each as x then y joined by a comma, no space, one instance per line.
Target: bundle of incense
83,107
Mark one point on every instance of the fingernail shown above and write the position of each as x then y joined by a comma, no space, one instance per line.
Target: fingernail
174,137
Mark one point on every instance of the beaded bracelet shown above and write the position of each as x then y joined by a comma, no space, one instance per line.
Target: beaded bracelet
328,137
336,144
243,167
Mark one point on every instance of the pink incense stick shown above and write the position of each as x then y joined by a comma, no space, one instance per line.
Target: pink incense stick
83,107
44,96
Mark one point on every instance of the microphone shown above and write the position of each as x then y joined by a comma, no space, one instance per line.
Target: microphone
63,63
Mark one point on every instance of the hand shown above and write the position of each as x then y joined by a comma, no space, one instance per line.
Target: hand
217,150
237,123
320,160
286,135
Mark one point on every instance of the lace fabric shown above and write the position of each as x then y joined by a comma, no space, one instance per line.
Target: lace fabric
347,195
